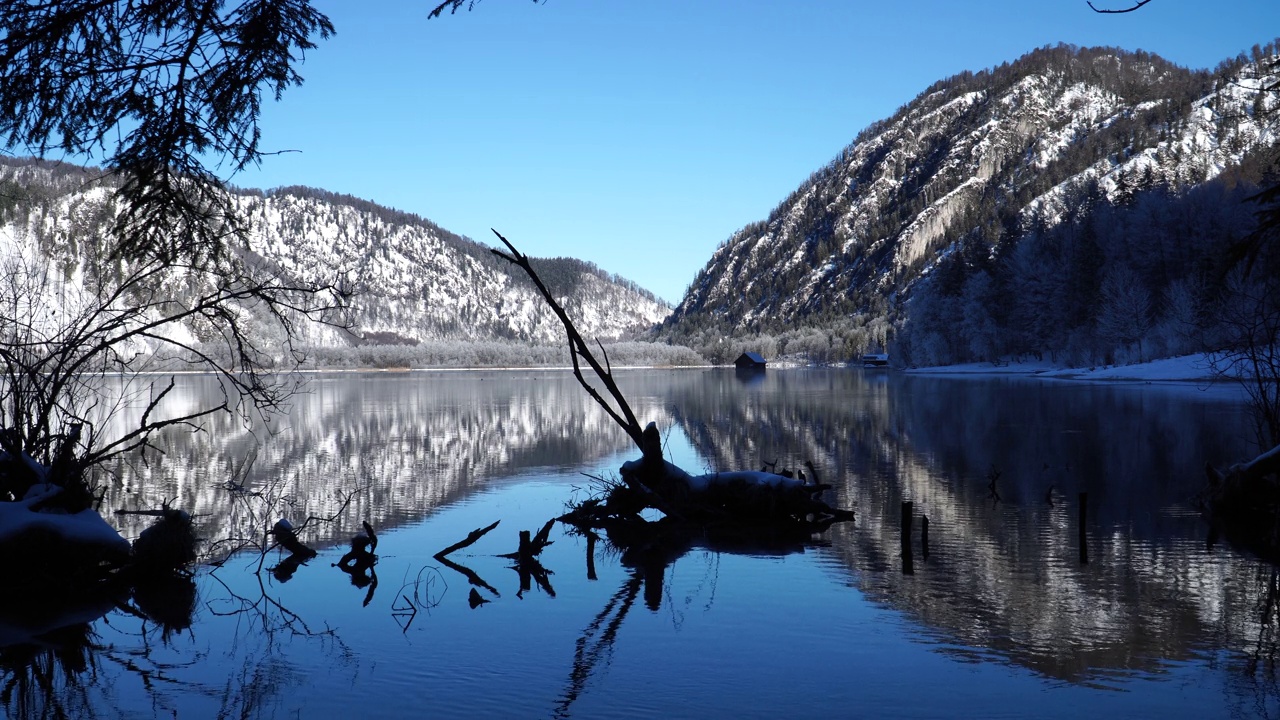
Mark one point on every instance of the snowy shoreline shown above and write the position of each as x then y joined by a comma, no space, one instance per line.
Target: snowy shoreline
1185,369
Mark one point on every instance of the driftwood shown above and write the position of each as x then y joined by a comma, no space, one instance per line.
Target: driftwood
360,557
168,546
472,536
1268,463
288,539
746,508
471,575
358,562
764,500
531,547
527,563
525,556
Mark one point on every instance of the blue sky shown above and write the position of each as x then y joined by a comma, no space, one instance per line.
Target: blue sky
639,134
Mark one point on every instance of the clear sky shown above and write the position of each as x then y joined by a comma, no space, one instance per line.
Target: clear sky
640,134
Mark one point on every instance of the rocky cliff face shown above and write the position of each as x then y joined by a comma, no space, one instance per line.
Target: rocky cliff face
983,155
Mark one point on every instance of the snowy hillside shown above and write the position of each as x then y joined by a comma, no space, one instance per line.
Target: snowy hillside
414,280
978,157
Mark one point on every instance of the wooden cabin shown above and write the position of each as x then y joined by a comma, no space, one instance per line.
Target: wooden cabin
875,360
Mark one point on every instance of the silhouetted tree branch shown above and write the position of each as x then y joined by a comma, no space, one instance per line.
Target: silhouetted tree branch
169,96
72,362
164,92
578,348
1139,4
454,5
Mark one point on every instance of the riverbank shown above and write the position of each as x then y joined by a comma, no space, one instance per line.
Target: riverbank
1187,368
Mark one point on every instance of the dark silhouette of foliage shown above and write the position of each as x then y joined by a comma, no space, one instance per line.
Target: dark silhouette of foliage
454,6
160,91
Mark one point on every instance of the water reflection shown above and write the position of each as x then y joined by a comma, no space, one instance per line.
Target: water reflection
1002,582
1003,575
51,657
45,677
408,442
650,556
597,642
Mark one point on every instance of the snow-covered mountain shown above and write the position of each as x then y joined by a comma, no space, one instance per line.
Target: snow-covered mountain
414,281
979,156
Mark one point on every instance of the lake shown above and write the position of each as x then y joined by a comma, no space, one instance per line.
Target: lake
999,619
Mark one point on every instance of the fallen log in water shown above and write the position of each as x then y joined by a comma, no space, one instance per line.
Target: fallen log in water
1243,503
743,496
526,560
1256,470
471,575
743,499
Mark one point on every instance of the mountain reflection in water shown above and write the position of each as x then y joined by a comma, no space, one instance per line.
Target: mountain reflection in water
409,442
1004,575
1000,614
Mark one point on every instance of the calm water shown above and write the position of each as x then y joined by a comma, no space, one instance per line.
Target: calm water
1000,620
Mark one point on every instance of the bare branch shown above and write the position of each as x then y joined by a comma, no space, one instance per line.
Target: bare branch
471,537
128,319
578,348
1139,4
454,5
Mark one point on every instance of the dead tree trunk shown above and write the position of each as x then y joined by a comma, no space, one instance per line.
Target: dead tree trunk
579,349
753,497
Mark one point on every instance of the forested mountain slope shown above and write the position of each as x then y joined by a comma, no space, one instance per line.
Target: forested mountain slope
976,167
413,280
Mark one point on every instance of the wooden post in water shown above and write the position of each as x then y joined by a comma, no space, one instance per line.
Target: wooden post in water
908,562
655,571
591,556
924,536
1084,520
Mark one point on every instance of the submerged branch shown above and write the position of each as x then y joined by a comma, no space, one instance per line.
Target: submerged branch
470,539
471,575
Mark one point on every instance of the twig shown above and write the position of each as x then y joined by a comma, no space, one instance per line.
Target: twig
346,502
409,610
1139,4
